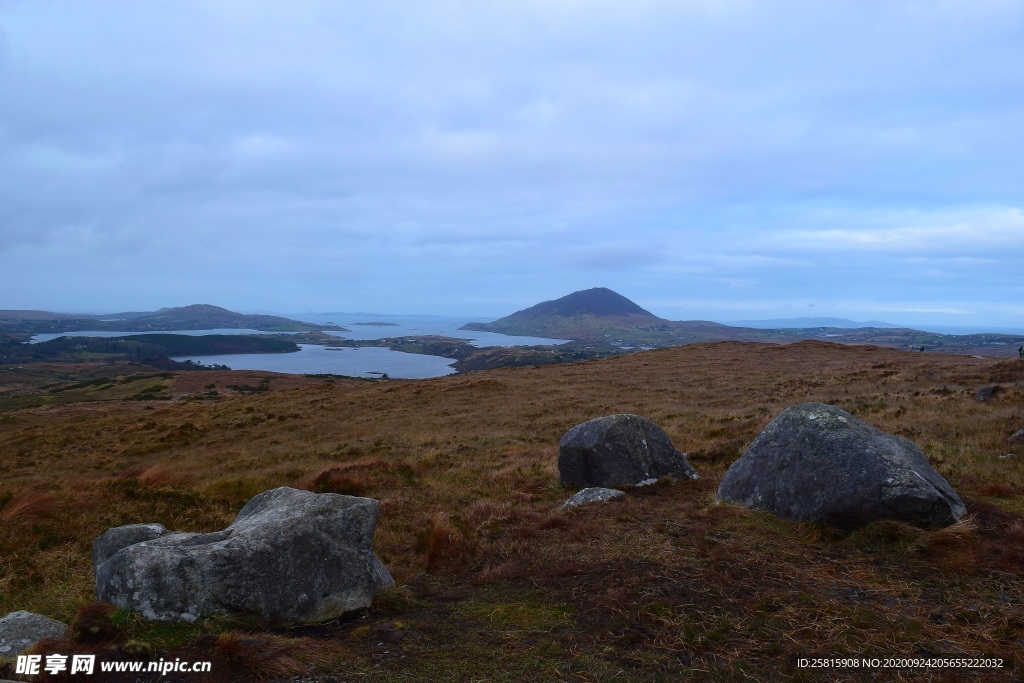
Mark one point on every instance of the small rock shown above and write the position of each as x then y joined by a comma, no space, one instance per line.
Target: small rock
21,630
594,494
1017,437
619,450
1008,456
987,392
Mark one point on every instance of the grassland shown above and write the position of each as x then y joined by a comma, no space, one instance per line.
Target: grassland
495,583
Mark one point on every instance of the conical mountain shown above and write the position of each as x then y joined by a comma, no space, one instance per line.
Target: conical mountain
587,314
599,301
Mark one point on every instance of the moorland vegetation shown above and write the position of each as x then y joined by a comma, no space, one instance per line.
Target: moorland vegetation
495,582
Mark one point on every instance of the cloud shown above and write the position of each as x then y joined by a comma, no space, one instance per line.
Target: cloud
828,151
956,233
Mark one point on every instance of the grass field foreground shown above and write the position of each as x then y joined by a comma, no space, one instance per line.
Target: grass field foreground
495,583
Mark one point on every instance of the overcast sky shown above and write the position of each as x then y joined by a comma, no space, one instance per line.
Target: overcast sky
708,159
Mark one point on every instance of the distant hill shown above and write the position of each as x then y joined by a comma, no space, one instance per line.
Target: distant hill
589,313
599,301
601,321
203,316
42,315
805,322
194,317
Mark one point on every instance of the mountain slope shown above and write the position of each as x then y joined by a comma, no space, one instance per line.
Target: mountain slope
599,301
587,314
201,316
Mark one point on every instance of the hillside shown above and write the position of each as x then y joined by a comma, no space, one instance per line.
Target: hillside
495,583
205,316
601,316
588,314
13,315
603,322
598,301
193,317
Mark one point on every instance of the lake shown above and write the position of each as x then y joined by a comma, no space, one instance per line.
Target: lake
416,325
312,359
364,362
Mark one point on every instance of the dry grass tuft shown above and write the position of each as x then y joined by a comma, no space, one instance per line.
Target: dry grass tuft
264,656
32,502
94,623
955,546
443,544
163,475
133,472
996,489
334,480
954,535
503,572
485,512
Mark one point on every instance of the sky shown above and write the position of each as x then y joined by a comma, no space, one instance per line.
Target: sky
717,160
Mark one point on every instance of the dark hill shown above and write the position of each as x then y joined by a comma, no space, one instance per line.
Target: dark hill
597,313
206,315
599,301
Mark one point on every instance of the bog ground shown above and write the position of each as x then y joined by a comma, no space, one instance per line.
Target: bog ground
494,582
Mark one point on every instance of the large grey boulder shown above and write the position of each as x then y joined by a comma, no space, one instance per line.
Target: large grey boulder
619,450
818,462
21,630
290,556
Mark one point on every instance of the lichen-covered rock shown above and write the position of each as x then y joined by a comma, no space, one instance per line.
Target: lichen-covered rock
290,556
21,630
619,450
593,494
818,462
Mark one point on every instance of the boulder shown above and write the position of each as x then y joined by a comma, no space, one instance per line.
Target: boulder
594,494
619,450
21,630
1016,437
818,462
291,557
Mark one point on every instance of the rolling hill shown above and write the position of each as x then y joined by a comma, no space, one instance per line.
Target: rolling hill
193,317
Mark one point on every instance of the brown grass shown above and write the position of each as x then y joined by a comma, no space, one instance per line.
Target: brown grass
996,489
263,656
334,480
93,623
442,543
499,585
31,502
163,475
